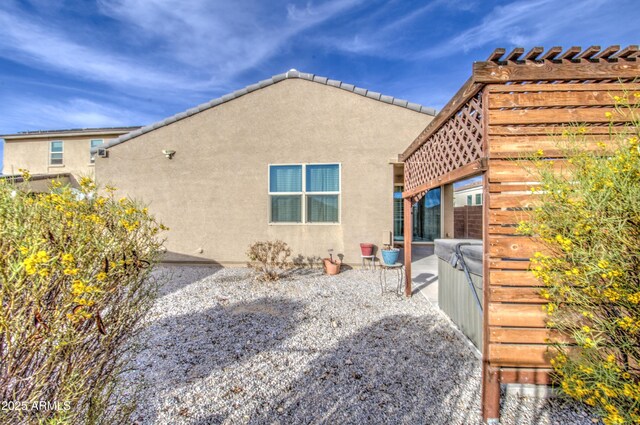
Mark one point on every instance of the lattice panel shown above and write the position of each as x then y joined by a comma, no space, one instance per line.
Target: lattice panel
458,142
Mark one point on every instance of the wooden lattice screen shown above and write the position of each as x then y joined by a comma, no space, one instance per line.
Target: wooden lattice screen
455,144
522,101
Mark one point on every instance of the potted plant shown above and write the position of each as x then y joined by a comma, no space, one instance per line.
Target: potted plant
366,249
331,266
390,255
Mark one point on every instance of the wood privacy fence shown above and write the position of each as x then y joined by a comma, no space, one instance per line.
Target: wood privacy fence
467,222
514,105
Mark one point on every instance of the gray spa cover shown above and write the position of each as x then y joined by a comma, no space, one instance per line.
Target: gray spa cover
445,248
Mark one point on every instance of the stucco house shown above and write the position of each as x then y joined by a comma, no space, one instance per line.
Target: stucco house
297,157
56,152
468,194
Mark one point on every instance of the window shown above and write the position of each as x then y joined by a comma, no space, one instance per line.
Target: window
56,152
469,200
93,144
304,193
478,198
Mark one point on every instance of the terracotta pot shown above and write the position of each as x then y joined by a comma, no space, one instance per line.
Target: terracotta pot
366,249
331,267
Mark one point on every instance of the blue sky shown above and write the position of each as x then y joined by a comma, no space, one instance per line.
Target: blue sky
69,64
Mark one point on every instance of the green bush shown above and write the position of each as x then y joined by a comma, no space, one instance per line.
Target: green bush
588,219
74,285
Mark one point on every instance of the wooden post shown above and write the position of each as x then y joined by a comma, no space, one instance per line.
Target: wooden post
490,394
490,375
447,211
408,235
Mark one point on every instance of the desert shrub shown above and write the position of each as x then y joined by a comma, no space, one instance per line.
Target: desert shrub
588,219
269,259
73,288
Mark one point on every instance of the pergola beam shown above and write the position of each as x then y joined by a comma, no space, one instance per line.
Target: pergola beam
606,53
532,55
552,53
490,72
469,170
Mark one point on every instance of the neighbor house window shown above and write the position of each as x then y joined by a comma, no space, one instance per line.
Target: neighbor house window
478,198
56,152
469,200
304,193
93,144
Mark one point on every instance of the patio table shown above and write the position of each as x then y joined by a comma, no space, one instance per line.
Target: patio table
396,267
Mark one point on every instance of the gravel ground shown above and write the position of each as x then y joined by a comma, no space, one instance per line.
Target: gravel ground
223,348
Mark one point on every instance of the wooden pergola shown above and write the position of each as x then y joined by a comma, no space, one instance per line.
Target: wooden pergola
513,105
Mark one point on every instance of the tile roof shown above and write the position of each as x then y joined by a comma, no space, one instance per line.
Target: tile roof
19,178
72,130
264,83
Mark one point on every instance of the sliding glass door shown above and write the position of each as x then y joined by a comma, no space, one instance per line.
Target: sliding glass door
426,216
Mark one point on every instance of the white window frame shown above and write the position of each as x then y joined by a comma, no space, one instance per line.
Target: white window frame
304,194
92,158
51,142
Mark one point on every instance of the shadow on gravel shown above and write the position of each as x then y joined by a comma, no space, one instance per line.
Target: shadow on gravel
401,370
183,350
173,279
300,272
517,410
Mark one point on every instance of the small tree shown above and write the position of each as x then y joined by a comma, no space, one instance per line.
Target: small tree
588,219
74,284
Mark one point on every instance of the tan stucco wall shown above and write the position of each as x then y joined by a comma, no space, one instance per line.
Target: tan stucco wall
33,155
213,193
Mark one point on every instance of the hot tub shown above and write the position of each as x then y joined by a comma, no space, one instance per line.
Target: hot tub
456,297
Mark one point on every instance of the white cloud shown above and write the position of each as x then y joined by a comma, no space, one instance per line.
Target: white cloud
379,35
44,114
165,45
35,44
221,38
525,22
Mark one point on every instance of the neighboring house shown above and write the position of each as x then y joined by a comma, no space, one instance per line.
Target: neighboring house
297,157
55,151
39,182
470,194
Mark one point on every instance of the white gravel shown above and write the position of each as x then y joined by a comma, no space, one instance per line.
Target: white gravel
223,348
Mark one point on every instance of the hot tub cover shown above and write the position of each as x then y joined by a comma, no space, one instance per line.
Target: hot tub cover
445,248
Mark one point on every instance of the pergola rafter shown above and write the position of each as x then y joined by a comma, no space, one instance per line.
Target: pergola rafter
511,106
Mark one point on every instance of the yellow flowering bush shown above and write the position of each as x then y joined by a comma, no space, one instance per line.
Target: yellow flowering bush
74,284
588,218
